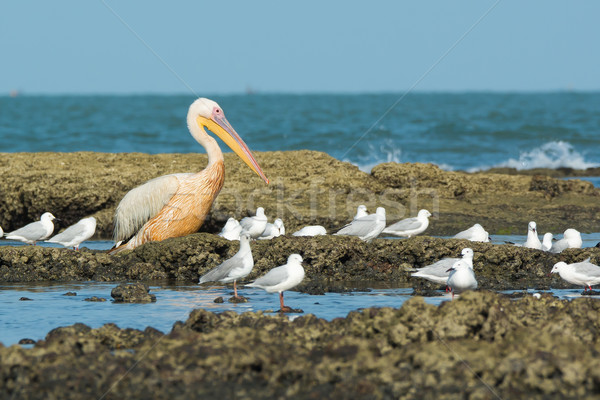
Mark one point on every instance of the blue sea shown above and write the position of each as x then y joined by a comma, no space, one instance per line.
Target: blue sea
462,131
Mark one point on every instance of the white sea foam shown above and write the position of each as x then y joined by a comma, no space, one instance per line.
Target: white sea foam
555,154
385,152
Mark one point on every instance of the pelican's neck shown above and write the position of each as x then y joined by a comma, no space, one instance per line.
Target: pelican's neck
210,145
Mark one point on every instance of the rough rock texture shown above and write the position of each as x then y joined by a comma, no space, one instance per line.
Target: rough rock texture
306,188
132,293
328,261
482,346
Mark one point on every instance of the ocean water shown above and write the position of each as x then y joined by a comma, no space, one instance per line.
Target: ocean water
465,131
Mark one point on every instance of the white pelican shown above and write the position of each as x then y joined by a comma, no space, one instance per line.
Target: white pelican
367,228
75,234
438,272
311,230
35,231
231,230
461,277
410,227
582,273
476,233
237,267
571,240
282,278
255,225
177,204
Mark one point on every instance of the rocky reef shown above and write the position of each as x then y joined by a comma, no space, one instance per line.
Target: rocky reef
482,345
307,188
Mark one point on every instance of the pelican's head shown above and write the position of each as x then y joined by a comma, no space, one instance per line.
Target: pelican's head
209,114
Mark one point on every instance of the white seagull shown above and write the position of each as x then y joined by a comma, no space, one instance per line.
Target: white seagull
1,232
367,228
571,240
237,267
311,230
35,231
438,272
255,225
533,241
231,230
282,278
476,233
409,227
361,211
74,235
461,277
273,230
582,273
547,241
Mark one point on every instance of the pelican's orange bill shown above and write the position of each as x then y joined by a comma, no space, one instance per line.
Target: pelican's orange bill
219,125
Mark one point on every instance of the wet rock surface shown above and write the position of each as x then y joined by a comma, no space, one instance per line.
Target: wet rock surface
482,345
132,293
307,188
330,262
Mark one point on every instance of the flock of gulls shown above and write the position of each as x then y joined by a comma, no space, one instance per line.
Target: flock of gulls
456,273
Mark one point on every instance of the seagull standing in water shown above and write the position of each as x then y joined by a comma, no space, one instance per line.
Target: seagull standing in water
461,277
410,227
237,267
35,231
282,278
582,273
439,271
476,233
255,225
74,235
231,230
571,240
367,228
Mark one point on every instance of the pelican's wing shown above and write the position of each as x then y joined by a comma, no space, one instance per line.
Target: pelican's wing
222,270
405,225
360,227
271,278
69,234
142,203
32,230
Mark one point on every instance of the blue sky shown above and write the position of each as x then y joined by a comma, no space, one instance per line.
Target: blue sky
74,46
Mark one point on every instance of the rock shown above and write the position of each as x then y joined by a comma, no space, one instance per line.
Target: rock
239,299
95,299
25,299
132,293
219,300
26,341
70,294
514,348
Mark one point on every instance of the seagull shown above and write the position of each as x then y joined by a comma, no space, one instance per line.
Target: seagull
231,230
438,272
367,228
282,278
35,231
547,241
256,225
237,267
311,230
461,277
476,233
74,235
361,211
582,273
571,240
1,232
273,230
533,241
410,227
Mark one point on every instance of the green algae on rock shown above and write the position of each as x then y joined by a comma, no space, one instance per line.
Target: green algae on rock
482,345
